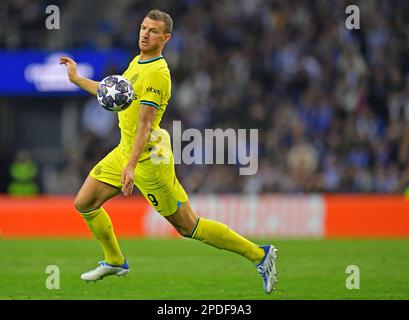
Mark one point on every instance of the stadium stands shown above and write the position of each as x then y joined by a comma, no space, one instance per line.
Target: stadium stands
331,104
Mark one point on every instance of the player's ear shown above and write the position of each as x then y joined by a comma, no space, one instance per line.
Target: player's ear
167,37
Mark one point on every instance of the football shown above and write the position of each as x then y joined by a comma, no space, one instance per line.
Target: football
115,93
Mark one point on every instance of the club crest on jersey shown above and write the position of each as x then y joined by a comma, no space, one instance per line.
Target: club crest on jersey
134,78
97,170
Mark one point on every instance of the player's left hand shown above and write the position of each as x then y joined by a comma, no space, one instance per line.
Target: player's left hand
127,179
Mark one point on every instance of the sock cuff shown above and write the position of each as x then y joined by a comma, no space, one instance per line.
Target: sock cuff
89,214
193,233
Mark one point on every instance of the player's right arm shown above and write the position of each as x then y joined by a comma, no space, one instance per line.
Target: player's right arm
88,85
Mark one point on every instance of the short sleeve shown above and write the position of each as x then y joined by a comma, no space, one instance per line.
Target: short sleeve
153,89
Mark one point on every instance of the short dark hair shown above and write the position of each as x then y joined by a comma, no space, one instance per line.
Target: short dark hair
161,16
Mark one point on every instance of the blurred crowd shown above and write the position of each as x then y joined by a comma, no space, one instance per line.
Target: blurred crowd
331,104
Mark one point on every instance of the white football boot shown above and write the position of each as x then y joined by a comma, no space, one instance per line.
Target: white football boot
267,268
105,269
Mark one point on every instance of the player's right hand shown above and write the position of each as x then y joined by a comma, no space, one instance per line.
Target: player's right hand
71,68
127,179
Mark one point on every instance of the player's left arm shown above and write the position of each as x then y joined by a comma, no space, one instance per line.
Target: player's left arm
146,117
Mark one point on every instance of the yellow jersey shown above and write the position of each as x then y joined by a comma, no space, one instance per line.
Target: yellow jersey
151,82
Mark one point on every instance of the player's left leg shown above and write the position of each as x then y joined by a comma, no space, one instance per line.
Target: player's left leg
89,200
102,184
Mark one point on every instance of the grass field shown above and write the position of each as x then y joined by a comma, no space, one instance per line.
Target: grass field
185,269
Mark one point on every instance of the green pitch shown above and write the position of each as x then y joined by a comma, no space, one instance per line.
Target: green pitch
186,269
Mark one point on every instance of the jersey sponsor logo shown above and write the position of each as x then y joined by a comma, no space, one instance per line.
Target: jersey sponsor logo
153,90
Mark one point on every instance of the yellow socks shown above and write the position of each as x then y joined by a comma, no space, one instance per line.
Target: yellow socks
211,232
100,224
221,236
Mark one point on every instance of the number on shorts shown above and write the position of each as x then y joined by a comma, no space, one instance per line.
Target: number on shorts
153,199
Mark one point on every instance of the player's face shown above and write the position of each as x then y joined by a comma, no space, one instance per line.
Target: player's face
152,36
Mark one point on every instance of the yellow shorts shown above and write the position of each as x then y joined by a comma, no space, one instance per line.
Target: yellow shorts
156,181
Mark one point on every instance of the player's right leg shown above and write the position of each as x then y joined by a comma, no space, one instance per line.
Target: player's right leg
89,200
159,185
221,236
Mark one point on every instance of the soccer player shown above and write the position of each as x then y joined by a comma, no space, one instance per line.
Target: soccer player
130,164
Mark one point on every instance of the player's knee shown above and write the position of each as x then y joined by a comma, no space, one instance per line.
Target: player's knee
84,205
78,204
184,220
